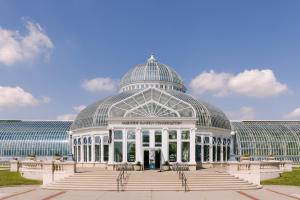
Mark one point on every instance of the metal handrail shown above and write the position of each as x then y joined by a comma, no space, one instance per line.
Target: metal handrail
121,177
179,168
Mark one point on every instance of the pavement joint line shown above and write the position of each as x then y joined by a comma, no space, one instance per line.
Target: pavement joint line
17,194
247,195
54,195
287,195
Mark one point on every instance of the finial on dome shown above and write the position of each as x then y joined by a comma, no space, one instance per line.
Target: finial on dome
152,58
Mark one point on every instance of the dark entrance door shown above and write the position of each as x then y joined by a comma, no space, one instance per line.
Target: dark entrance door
146,159
157,159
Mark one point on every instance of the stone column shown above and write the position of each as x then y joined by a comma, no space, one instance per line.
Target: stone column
192,146
138,145
202,148
216,150
102,150
179,146
210,149
111,150
81,150
124,140
93,148
165,144
222,153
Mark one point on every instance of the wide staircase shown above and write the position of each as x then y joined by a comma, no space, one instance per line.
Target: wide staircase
152,180
215,180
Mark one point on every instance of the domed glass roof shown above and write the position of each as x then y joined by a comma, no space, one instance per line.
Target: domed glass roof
152,74
150,91
97,114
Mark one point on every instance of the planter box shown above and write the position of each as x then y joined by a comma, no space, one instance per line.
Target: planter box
31,158
165,167
57,157
270,158
245,158
137,167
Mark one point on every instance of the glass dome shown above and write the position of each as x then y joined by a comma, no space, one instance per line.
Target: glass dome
97,114
152,74
151,90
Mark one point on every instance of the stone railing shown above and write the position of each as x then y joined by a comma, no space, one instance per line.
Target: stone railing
48,171
4,165
255,171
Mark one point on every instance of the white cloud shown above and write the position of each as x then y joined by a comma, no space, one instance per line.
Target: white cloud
295,114
244,113
101,84
252,83
79,108
71,116
210,82
16,48
66,117
11,97
256,83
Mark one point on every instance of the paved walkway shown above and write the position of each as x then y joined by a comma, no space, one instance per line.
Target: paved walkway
36,193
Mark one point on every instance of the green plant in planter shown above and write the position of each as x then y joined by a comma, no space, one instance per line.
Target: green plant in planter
57,154
166,163
138,163
31,155
246,155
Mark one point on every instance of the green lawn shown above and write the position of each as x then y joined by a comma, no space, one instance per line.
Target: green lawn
287,178
14,178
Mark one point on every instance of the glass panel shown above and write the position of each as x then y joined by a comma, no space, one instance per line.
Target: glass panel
198,153
97,139
146,138
158,138
172,151
79,153
118,152
97,152
185,135
84,153
130,135
105,153
118,135
131,152
90,153
172,135
185,152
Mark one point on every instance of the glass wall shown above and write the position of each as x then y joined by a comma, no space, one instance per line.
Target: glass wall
42,138
206,149
260,139
85,149
118,146
97,149
157,135
131,146
146,138
185,146
198,149
172,146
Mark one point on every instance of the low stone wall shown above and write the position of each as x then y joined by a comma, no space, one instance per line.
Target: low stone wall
91,165
256,171
48,171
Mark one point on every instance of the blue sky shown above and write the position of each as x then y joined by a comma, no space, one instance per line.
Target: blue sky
49,49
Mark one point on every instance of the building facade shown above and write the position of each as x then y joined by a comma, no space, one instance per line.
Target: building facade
151,120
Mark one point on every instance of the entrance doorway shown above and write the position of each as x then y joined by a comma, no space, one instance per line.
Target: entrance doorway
152,158
146,159
157,159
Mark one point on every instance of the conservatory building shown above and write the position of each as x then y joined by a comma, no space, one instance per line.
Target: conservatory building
151,120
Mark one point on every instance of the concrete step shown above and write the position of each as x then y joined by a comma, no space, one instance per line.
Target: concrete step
152,181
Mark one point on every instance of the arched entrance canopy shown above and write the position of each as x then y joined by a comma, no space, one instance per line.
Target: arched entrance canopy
151,103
